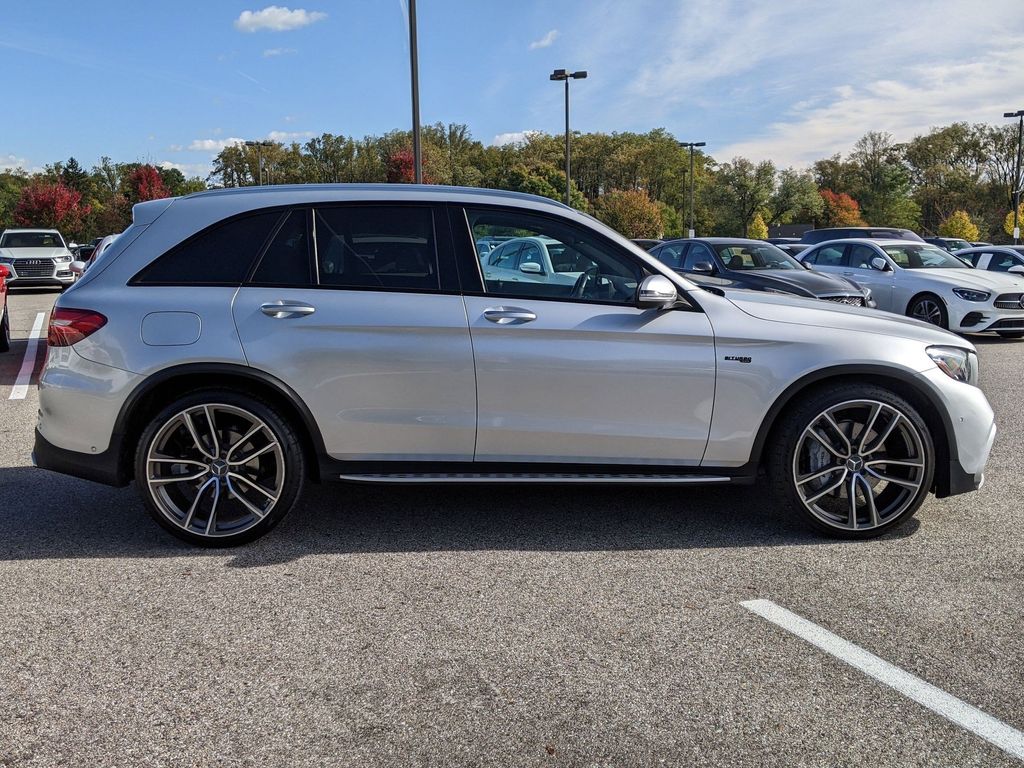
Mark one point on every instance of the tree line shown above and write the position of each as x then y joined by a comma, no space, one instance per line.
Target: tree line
955,180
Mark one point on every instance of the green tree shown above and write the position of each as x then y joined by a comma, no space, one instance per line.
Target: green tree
758,229
631,213
741,190
959,224
796,196
1008,221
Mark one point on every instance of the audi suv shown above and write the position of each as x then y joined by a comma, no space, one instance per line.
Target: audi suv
232,346
36,257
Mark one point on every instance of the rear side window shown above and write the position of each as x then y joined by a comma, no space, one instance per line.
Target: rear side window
829,256
220,255
377,247
287,259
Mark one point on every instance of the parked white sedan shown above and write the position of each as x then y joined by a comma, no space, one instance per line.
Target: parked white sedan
533,260
995,258
926,282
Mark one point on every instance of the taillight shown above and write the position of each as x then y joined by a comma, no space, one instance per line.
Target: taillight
70,326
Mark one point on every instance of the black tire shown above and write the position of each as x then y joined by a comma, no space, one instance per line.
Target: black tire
783,460
1011,334
5,331
922,305
289,456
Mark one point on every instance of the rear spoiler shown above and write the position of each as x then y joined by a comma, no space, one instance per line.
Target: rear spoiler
149,211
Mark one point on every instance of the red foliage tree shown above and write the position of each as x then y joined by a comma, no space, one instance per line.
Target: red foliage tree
53,206
401,168
840,210
145,183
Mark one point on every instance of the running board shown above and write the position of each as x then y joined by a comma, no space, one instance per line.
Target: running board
535,477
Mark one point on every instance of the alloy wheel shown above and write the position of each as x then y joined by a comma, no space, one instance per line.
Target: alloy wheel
215,470
859,465
929,311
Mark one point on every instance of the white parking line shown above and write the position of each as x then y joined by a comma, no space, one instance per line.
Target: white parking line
950,707
28,365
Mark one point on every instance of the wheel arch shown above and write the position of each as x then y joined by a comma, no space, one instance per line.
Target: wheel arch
903,383
162,387
921,294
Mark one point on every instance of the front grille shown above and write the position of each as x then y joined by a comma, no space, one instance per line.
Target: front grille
34,268
1014,323
853,301
1009,300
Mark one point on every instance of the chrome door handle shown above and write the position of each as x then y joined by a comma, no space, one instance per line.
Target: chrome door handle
509,315
283,309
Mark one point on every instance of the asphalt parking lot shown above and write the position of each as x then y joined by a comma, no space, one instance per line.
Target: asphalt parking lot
481,626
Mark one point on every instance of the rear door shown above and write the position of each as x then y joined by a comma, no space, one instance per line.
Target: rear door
576,373
356,308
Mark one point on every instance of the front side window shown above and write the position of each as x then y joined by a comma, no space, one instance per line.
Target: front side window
923,256
286,260
220,255
670,255
364,246
1001,262
584,267
861,256
698,254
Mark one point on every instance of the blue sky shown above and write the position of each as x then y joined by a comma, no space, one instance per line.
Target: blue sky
167,82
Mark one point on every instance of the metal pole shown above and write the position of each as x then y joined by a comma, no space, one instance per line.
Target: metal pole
417,154
690,233
567,141
1017,181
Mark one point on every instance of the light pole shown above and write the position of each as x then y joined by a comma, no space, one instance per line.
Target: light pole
691,145
259,155
417,152
1018,182
563,74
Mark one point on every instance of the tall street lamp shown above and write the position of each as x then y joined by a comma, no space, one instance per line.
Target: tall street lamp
562,74
259,155
691,145
414,71
1018,182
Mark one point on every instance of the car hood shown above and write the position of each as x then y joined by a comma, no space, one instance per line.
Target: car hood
826,314
33,253
979,279
800,280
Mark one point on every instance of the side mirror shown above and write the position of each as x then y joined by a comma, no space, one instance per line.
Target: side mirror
531,268
880,264
1016,269
704,266
656,291
78,267
4,272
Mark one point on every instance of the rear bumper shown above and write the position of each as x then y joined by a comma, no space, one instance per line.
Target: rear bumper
102,468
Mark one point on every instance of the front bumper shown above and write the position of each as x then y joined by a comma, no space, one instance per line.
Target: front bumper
27,272
985,318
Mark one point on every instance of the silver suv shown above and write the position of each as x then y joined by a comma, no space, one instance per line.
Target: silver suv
233,345
36,257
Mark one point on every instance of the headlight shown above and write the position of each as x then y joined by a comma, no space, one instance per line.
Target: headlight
956,363
6,259
968,295
62,259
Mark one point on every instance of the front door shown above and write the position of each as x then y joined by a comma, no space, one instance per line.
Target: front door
576,373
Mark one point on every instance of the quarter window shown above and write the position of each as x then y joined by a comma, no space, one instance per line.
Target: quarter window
579,266
221,255
390,247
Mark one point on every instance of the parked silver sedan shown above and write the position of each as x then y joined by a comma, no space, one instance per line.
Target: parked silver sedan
233,345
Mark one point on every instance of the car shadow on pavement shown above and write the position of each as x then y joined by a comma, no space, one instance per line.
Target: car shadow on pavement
45,515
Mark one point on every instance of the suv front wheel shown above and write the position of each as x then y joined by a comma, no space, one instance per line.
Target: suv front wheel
218,468
855,461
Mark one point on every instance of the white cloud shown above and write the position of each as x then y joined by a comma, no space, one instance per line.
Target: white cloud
188,169
289,135
272,52
545,41
175,148
923,97
277,19
212,145
11,162
290,118
512,137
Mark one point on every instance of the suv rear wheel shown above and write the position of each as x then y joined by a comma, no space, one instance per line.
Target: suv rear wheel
218,468
855,461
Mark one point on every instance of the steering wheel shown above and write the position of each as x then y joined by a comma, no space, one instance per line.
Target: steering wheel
580,286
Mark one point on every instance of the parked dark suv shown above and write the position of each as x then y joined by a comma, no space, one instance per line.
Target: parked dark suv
814,236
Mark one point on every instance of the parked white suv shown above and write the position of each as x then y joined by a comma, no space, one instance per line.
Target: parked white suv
233,345
37,257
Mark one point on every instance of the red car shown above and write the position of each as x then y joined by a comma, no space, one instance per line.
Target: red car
5,318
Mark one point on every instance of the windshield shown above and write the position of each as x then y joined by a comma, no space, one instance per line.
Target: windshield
31,240
762,256
958,245
913,256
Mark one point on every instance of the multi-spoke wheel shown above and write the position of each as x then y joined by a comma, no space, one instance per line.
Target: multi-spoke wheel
856,460
219,468
930,309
